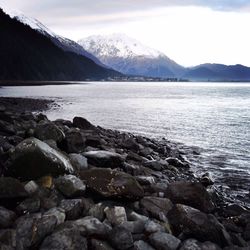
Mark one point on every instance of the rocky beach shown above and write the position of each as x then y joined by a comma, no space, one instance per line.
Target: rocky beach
73,185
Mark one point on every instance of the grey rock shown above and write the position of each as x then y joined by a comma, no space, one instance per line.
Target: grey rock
135,227
196,224
155,206
164,241
31,187
58,213
154,165
193,244
90,226
112,183
104,159
100,245
145,180
48,131
8,237
33,159
133,216
73,208
7,217
177,163
120,238
116,215
65,239
153,227
191,194
79,162
74,141
142,245
70,186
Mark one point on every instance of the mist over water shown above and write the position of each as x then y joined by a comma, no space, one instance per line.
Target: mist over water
211,121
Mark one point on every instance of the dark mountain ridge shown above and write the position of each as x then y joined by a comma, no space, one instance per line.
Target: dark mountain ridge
26,54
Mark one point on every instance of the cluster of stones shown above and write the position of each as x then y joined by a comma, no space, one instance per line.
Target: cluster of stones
71,185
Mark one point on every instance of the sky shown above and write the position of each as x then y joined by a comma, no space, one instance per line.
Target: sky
190,32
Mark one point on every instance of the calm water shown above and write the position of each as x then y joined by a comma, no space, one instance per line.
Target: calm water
212,118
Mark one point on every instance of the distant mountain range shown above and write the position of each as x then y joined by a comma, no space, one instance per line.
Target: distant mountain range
32,52
131,57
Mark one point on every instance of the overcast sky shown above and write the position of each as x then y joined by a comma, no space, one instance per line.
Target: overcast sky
190,32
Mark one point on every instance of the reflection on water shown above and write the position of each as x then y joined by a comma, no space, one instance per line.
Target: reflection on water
213,117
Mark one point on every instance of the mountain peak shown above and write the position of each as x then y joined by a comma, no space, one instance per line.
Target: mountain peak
119,44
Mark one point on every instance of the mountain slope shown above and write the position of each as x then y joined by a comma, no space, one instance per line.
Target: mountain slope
129,56
218,72
30,55
62,42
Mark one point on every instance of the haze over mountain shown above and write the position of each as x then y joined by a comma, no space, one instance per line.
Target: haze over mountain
27,54
130,56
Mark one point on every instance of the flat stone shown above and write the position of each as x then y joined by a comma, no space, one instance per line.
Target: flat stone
33,159
191,194
104,159
70,186
112,183
164,241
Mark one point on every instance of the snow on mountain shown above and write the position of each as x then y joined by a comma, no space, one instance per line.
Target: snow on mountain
62,42
130,56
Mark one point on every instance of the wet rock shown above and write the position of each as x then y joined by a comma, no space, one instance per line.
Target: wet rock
246,234
31,187
74,141
130,144
73,208
112,183
97,211
191,194
70,186
82,123
100,245
65,239
196,224
116,215
121,238
6,128
104,159
164,241
177,163
33,158
48,131
235,210
145,180
142,245
206,180
11,188
193,244
154,165
156,207
7,217
90,226
79,162
135,216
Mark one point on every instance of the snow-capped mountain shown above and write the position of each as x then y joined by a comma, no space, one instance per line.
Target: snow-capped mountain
130,56
62,42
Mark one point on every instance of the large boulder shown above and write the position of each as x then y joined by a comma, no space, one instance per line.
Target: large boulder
33,159
195,224
112,183
104,159
48,131
191,194
82,123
